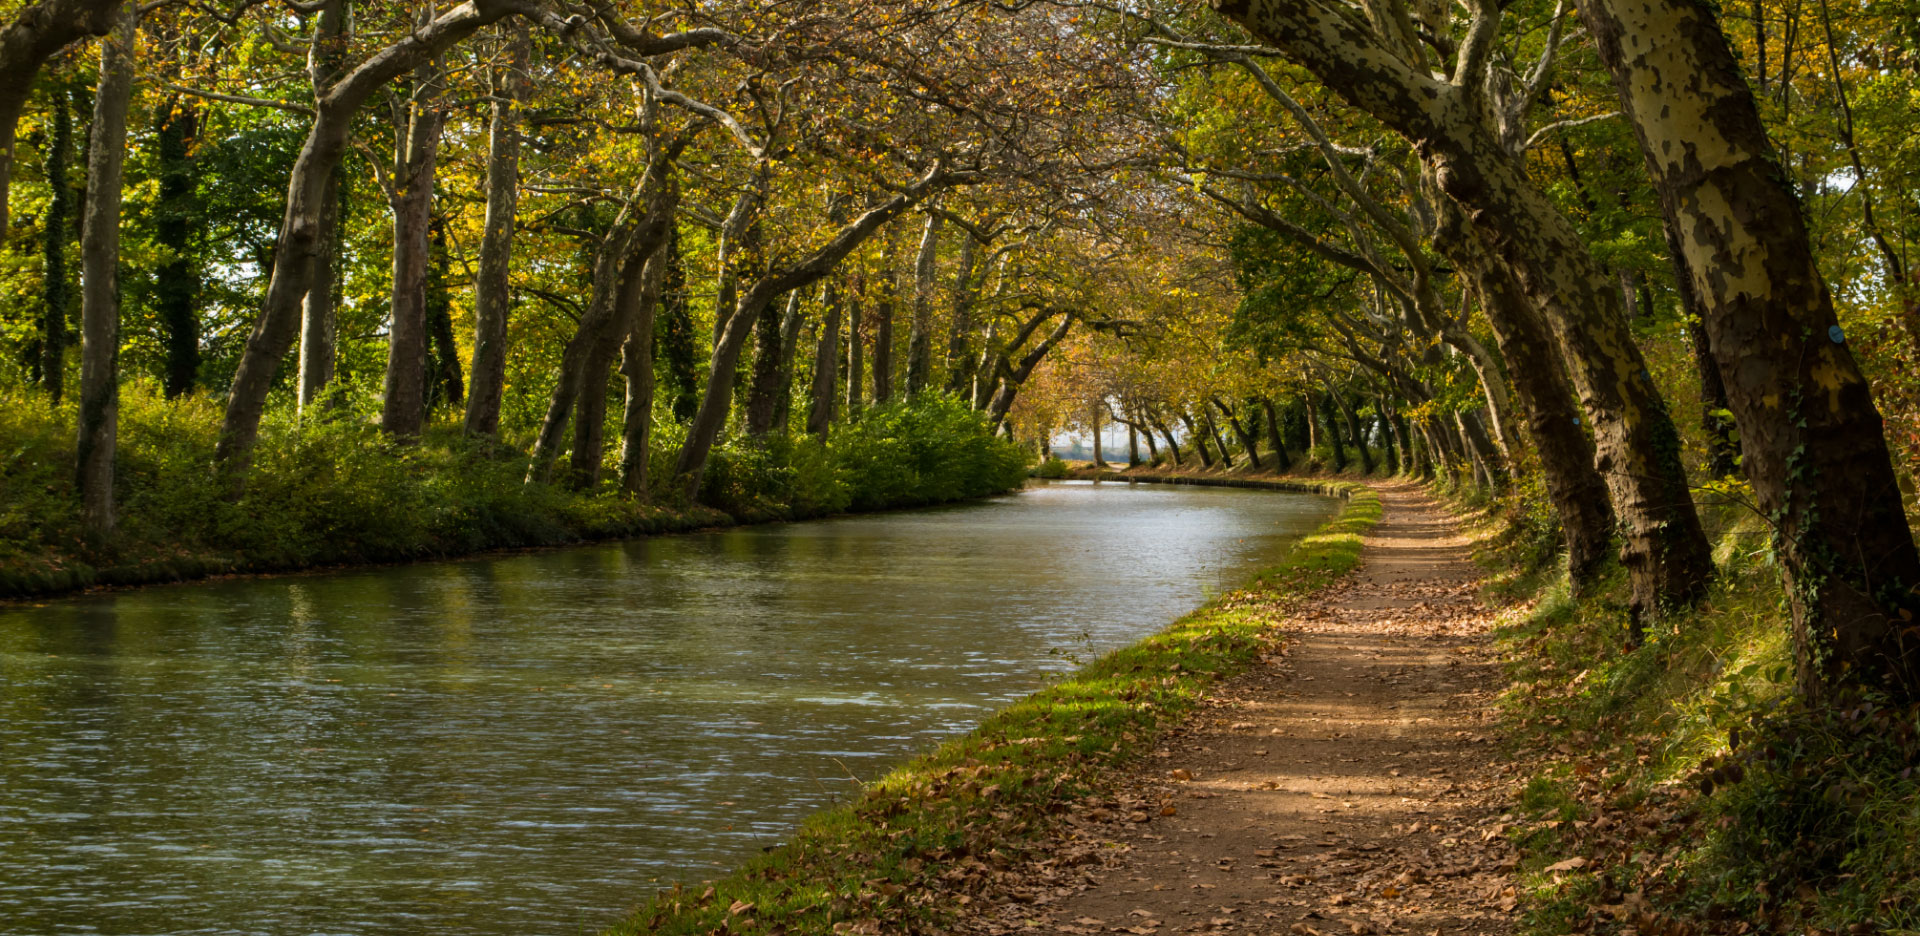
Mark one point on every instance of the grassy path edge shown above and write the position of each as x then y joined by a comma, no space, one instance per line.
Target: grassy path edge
926,840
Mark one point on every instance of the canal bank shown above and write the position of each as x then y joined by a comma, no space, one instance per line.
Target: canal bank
928,840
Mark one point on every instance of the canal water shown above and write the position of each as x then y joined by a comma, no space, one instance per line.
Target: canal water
530,744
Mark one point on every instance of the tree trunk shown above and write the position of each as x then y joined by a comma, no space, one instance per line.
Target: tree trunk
920,335
492,288
1133,446
1098,462
790,324
1332,425
1014,376
1666,552
721,373
417,125
1173,443
1575,486
856,369
444,377
883,338
319,327
826,360
637,234
34,35
1199,441
960,357
1353,430
56,283
1714,420
1811,438
279,320
176,282
1281,463
766,367
636,364
1249,441
1388,443
100,261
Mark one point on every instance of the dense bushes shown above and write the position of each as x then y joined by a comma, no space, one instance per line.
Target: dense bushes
337,490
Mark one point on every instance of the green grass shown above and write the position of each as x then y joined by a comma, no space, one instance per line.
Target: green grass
915,846
1687,772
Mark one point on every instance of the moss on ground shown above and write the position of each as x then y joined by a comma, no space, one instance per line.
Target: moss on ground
920,842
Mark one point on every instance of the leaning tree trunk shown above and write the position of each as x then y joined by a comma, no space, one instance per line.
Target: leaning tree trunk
1579,493
826,360
1281,463
319,328
275,329
36,33
492,292
1248,440
1811,439
1665,550
738,324
100,260
920,334
403,408
1331,422
1714,419
1199,441
1173,444
1353,431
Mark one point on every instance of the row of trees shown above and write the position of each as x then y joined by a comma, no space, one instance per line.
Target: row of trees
1414,225
736,183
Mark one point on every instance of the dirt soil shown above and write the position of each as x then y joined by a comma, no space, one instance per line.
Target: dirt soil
1349,786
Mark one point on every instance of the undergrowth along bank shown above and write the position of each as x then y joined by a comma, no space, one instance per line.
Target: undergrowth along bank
1681,788
929,838
337,491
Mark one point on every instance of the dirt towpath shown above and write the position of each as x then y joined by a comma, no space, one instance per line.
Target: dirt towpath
1349,787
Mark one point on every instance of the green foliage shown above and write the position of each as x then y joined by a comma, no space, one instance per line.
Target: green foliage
1053,469
1002,788
337,490
927,451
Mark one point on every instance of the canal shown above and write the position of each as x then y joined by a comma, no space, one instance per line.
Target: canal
530,744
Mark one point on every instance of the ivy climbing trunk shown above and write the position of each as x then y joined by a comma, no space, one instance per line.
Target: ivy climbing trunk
1811,439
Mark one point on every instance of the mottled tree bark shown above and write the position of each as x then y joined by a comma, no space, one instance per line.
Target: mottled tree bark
769,356
1579,493
966,289
920,333
1811,439
826,361
492,291
100,260
856,375
319,326
417,126
1666,552
636,364
883,337
278,324
33,35
721,371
